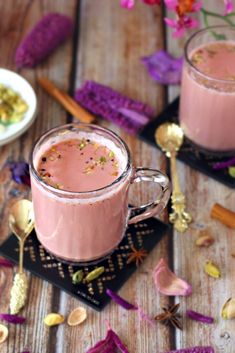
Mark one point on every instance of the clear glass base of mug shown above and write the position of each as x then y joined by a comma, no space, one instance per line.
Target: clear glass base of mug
73,262
208,151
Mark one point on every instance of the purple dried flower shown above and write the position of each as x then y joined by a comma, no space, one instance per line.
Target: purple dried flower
26,352
163,67
199,317
5,263
223,165
194,350
105,102
52,30
128,306
120,301
13,319
20,172
111,344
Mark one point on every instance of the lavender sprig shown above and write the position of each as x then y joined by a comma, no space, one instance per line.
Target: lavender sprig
103,101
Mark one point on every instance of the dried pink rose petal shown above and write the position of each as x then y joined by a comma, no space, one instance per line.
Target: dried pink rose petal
111,344
13,319
199,317
168,283
163,67
5,263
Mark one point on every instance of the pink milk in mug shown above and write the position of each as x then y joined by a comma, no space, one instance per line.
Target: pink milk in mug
207,103
80,177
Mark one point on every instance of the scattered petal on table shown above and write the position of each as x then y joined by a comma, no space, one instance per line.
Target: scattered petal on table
5,263
111,343
199,317
13,319
168,283
20,172
163,67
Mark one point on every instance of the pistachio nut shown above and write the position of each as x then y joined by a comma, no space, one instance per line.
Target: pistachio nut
211,269
53,319
228,309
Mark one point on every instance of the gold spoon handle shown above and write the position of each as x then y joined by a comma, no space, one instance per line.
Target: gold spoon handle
179,217
21,255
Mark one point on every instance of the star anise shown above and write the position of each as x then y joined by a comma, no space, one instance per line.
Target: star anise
170,316
136,255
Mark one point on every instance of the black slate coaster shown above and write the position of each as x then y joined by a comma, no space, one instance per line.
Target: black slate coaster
144,234
189,154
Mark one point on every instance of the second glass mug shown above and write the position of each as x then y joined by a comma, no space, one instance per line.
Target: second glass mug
207,104
84,227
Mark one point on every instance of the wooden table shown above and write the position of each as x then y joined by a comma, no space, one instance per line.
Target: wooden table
106,47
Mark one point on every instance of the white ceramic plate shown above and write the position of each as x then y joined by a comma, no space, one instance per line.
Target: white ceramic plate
21,86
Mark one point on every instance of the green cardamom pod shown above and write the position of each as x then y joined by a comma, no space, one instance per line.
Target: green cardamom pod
77,277
94,274
212,270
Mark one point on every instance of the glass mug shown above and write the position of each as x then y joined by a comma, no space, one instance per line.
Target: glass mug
207,105
86,226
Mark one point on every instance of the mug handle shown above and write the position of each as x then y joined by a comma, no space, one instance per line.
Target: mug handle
155,207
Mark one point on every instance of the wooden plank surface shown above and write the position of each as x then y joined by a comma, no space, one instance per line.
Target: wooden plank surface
209,294
17,18
109,44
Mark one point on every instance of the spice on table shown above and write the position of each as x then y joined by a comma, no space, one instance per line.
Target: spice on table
137,256
199,317
170,316
3,333
231,171
223,215
77,277
211,269
77,316
205,239
228,309
12,106
168,283
94,274
53,319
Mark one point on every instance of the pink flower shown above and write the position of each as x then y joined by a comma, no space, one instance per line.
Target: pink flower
152,2
181,24
128,4
171,4
228,6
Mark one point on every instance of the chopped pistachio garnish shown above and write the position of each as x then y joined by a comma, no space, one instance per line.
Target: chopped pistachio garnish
102,160
12,106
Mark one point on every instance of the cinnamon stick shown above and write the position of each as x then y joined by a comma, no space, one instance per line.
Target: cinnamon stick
223,215
66,101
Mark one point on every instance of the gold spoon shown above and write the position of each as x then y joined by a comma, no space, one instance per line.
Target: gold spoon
169,137
21,223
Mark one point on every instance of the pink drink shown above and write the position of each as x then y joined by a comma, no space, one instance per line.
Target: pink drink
59,222
80,177
207,107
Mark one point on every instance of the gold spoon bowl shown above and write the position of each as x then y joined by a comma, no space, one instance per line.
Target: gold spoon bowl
169,137
21,223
